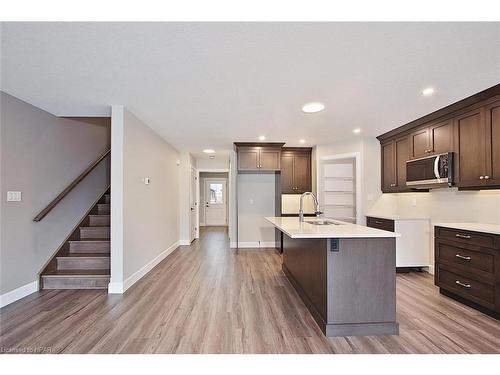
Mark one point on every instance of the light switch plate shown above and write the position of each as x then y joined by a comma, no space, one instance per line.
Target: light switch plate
13,196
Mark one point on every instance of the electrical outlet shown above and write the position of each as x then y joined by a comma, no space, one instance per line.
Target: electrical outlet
13,196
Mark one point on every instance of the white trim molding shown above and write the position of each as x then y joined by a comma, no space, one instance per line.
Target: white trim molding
18,293
184,243
120,288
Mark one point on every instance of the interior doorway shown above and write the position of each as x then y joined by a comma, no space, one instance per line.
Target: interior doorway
193,202
214,199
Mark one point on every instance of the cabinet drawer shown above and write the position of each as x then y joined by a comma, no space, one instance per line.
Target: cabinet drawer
463,236
379,223
466,287
465,258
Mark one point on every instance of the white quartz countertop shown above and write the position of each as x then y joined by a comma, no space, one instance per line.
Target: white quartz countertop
397,217
474,227
292,227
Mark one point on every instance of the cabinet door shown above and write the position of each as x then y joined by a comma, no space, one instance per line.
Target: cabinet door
388,170
248,159
441,137
287,185
419,143
269,159
402,155
471,136
493,144
302,173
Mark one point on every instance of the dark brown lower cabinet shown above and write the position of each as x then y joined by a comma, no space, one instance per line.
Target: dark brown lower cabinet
467,268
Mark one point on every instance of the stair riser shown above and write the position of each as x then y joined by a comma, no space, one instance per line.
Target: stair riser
107,199
94,232
103,208
89,247
99,221
98,263
72,282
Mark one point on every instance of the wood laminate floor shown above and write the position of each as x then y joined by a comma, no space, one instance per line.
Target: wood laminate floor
206,299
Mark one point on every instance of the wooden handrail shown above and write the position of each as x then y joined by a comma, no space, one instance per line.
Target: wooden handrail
70,187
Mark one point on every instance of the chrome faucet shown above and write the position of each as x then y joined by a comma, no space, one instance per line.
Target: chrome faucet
301,210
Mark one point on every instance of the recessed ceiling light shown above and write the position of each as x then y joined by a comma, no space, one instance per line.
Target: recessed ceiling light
302,141
262,138
313,107
208,151
428,91
357,130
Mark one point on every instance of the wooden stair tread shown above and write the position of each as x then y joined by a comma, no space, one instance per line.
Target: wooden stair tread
88,240
78,273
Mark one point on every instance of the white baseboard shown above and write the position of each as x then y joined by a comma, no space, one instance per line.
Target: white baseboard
430,270
120,288
253,244
184,242
18,293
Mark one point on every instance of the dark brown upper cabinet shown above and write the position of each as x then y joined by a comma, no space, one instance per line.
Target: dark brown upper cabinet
259,157
395,153
295,170
434,139
470,128
493,144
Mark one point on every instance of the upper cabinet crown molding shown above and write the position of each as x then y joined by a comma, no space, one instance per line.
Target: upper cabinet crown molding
479,99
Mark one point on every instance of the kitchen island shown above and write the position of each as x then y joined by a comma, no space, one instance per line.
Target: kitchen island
344,273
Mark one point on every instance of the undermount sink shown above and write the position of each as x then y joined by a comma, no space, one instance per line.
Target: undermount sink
322,222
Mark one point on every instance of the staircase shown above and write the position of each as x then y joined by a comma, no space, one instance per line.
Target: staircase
83,262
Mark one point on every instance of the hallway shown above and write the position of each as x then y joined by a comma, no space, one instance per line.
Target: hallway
204,298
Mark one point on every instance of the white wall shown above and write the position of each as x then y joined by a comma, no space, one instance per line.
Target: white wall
41,154
219,163
150,227
256,200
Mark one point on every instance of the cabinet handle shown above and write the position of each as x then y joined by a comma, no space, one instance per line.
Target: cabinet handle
378,222
458,282
467,237
486,177
392,185
462,257
481,177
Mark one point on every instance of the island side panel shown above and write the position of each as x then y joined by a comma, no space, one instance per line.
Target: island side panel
362,281
305,265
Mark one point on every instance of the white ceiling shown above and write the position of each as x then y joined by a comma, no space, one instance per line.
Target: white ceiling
205,85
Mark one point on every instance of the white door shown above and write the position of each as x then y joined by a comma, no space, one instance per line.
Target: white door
215,202
193,205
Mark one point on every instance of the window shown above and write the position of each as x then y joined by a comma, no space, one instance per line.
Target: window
216,193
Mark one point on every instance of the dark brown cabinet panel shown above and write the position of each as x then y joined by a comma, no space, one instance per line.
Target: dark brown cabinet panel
492,177
258,157
441,137
248,159
388,170
402,155
287,184
470,128
295,170
269,159
419,141
395,153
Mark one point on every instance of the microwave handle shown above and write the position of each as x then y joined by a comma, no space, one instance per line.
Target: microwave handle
436,167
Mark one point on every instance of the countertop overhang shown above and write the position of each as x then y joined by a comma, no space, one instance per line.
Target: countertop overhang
294,228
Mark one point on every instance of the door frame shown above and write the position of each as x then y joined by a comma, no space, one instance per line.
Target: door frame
198,194
226,180
196,204
359,175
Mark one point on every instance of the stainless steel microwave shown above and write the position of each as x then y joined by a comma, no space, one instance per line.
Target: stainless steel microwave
430,171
